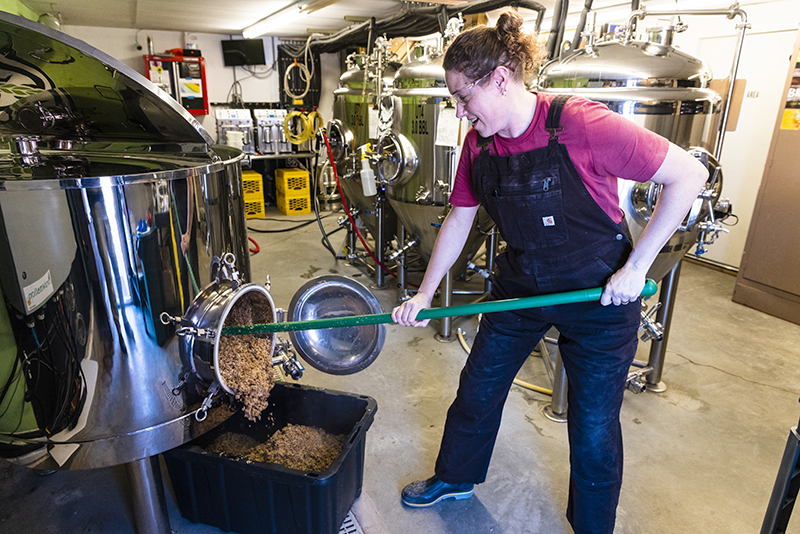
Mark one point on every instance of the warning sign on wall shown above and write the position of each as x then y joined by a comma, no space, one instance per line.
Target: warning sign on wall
791,112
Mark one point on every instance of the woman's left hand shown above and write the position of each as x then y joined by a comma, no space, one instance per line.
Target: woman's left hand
623,287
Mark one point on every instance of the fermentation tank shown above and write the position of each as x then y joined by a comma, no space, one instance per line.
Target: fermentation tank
664,90
114,207
420,156
354,130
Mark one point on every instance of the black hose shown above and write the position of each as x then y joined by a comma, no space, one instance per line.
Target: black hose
576,39
556,27
369,36
325,242
419,22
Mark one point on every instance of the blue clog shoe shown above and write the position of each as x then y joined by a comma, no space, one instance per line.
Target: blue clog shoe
428,492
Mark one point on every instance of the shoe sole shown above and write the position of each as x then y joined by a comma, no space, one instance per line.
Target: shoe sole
456,496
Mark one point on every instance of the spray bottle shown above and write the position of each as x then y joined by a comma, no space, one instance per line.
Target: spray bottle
367,175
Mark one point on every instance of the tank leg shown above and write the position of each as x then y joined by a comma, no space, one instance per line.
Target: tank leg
491,252
351,244
658,347
402,272
557,409
403,294
380,242
445,334
149,503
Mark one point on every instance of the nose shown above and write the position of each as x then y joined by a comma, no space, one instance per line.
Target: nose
461,110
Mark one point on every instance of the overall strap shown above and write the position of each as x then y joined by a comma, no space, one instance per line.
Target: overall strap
553,122
483,143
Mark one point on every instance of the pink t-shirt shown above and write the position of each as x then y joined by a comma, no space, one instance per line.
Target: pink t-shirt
603,146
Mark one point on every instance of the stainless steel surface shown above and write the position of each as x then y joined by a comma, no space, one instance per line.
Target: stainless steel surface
664,90
659,87
131,175
357,113
422,164
732,12
658,347
344,350
445,333
205,317
638,201
557,409
149,501
40,61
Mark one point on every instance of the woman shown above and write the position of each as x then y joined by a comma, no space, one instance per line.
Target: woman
545,168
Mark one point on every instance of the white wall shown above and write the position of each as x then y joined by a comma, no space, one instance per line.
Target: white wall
265,86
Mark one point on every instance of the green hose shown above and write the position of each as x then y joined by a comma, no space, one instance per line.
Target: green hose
539,301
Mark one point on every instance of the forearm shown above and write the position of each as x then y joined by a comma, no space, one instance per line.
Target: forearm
682,178
673,204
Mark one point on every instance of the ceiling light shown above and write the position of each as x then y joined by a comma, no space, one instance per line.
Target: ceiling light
284,16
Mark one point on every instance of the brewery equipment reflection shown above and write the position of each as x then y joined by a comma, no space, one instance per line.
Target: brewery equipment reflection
114,205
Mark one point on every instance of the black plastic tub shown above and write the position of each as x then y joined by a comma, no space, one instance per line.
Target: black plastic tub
239,495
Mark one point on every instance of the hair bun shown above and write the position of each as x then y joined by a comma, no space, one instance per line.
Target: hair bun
509,23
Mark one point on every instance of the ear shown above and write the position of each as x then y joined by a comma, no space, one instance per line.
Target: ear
501,77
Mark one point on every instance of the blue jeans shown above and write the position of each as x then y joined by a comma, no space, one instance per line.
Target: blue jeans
597,346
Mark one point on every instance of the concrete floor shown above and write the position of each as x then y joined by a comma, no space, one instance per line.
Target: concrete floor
701,457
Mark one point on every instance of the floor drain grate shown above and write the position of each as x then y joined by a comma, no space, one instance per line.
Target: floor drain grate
350,525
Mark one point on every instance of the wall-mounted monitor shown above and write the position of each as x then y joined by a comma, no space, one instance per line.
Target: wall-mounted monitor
237,52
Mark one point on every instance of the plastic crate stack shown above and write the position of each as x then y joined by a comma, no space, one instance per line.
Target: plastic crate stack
293,191
253,187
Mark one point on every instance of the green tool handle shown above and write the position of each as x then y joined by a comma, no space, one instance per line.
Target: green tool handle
568,297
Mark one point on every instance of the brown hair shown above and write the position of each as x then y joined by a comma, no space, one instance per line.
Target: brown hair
481,49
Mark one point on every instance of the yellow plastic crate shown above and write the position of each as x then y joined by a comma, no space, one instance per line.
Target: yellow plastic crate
254,209
252,185
294,204
292,181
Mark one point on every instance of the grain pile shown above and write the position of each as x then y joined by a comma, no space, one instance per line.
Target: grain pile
298,447
245,362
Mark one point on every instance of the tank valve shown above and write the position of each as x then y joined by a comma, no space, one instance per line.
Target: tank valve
709,232
186,328
482,272
287,359
636,383
650,328
405,248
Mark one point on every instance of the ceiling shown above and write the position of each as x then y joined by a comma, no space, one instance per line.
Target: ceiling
215,16
231,16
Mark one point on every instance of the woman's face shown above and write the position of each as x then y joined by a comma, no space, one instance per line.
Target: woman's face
478,101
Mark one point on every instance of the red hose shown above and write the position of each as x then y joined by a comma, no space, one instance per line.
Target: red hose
347,210
254,250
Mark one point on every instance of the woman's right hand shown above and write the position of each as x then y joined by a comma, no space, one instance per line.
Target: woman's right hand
406,312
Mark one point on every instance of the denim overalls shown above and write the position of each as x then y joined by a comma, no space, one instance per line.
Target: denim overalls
559,239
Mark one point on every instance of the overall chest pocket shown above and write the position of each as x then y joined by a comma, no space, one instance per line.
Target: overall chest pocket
529,210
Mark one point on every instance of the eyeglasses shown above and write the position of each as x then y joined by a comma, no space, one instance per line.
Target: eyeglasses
459,99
